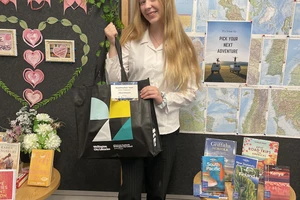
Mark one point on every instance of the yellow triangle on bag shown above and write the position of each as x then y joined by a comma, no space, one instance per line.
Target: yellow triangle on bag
119,109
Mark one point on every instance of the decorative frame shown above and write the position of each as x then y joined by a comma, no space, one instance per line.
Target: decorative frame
60,50
8,42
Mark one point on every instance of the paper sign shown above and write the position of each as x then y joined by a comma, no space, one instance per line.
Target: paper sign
124,91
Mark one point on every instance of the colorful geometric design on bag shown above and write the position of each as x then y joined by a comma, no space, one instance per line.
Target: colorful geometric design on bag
119,109
99,110
125,132
104,133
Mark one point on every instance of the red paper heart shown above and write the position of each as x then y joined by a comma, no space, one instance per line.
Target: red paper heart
32,97
33,57
60,51
33,77
32,37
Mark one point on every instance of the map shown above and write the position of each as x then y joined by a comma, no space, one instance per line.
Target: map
283,114
272,61
271,16
296,22
222,109
254,59
192,116
253,107
219,10
185,12
198,43
292,67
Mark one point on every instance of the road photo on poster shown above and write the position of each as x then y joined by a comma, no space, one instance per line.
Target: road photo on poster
227,51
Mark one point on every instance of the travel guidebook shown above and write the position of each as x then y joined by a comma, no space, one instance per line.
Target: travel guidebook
245,162
277,182
265,151
246,181
220,147
213,174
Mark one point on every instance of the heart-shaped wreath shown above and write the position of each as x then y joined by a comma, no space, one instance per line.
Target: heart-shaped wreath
42,26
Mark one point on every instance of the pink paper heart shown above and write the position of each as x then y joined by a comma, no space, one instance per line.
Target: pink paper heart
5,1
71,2
39,1
33,77
32,97
33,57
32,37
60,51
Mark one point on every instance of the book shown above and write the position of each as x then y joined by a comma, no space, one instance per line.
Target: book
246,181
41,166
276,182
197,190
9,155
221,147
21,179
213,174
245,162
8,184
265,151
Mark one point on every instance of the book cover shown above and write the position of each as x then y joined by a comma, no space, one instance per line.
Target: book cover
41,165
9,155
246,181
225,148
213,174
8,184
22,178
265,151
245,162
277,182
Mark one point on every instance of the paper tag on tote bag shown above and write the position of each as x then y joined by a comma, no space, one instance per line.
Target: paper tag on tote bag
124,91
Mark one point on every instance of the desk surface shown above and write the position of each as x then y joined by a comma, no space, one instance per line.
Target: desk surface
228,188
27,192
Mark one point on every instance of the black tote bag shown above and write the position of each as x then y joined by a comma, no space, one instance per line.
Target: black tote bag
103,134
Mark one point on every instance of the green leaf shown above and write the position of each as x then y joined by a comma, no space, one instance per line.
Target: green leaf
42,26
66,22
84,38
3,18
98,53
76,28
106,9
92,1
98,4
23,24
52,20
13,19
102,1
86,49
84,60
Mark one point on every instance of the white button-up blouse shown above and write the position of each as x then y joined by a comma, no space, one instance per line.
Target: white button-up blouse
141,61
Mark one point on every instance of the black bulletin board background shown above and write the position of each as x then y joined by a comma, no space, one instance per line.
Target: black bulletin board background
96,175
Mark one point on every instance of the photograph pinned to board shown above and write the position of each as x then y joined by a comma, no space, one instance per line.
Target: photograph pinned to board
227,51
60,50
8,42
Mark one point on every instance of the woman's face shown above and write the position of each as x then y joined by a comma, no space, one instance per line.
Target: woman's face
151,10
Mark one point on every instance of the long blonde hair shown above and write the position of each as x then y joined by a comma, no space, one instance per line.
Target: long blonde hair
180,59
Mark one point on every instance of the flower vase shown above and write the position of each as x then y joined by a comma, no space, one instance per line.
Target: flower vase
25,157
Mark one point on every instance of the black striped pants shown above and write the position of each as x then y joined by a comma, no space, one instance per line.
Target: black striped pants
153,173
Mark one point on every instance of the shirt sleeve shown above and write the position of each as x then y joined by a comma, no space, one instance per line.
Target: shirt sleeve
176,100
112,65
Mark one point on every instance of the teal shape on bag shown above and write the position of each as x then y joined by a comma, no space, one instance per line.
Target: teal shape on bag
99,109
125,132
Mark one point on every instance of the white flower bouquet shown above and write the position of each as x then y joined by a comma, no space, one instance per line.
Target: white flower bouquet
34,131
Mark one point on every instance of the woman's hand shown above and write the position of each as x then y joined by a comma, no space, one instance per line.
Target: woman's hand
111,33
151,92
